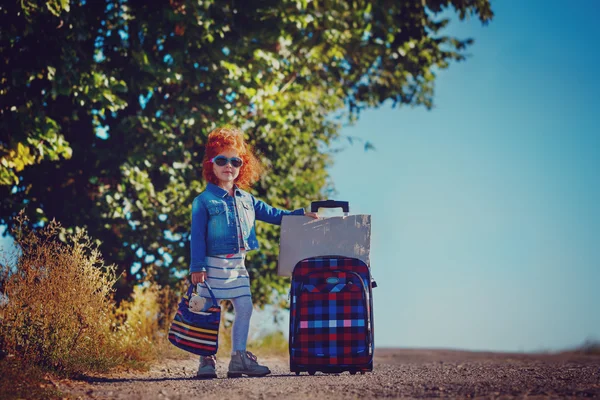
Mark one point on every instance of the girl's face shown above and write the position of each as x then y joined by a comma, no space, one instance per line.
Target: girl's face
227,173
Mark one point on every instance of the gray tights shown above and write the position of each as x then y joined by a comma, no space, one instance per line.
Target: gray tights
242,307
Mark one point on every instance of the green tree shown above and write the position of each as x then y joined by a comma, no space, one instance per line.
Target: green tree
105,106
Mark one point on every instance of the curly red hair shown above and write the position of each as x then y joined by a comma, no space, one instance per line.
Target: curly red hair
231,138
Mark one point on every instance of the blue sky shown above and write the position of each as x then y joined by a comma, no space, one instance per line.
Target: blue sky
486,209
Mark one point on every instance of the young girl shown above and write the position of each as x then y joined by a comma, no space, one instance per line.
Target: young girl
223,230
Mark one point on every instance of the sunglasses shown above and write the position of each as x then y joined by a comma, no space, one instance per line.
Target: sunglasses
222,161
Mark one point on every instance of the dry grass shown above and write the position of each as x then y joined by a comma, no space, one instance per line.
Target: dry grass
59,307
140,325
60,312
273,344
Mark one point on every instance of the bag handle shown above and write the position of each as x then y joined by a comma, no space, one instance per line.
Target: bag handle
315,205
210,291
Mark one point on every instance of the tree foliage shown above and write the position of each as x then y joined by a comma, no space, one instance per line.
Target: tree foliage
106,105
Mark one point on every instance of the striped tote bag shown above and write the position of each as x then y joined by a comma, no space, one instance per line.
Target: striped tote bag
196,332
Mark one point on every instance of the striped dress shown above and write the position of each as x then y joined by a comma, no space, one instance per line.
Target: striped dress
227,273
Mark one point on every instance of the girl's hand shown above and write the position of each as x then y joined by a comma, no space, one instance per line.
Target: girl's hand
312,215
198,277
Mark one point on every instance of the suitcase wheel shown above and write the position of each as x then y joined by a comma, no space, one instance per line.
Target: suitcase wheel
297,373
352,372
362,372
311,372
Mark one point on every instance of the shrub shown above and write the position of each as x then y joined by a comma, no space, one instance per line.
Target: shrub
58,301
57,307
590,346
141,324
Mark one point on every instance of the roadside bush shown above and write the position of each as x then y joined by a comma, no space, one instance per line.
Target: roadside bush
57,302
590,346
57,308
140,325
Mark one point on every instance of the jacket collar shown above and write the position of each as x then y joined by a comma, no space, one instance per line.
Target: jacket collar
220,192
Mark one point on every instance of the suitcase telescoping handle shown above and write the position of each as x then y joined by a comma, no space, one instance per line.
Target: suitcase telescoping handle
315,205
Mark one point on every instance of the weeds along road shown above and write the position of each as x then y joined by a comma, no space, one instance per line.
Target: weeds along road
397,374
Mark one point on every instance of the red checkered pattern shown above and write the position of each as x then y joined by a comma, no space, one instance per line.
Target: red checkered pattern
331,324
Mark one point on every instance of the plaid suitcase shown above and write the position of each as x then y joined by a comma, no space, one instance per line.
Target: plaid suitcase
331,316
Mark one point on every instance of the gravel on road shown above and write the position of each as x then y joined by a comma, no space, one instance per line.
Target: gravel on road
398,373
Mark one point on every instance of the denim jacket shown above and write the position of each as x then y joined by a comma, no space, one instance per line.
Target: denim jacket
214,222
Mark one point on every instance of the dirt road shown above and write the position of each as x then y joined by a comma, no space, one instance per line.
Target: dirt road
397,374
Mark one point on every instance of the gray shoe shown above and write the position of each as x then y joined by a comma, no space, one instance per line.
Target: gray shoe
206,369
244,362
